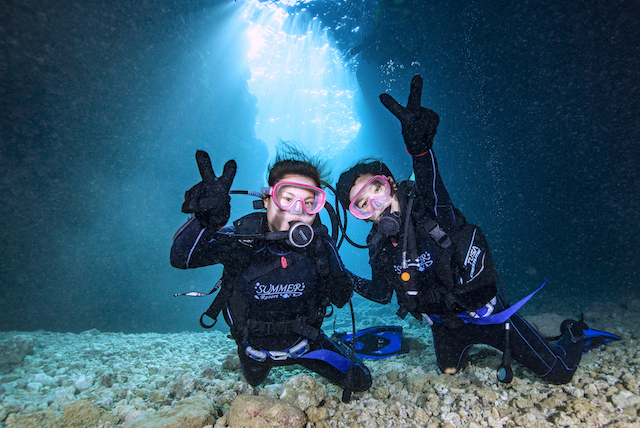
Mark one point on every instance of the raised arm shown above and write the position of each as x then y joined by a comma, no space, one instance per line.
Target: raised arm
419,126
197,242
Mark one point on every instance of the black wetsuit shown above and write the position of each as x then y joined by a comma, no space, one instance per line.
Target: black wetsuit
443,293
276,296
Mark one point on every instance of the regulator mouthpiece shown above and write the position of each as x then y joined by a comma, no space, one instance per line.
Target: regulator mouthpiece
300,234
389,222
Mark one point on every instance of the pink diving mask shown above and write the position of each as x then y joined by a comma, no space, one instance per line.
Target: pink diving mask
370,197
297,197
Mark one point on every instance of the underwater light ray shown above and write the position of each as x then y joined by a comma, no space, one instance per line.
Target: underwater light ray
305,90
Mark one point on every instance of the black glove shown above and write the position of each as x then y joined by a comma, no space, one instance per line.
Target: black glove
209,200
419,124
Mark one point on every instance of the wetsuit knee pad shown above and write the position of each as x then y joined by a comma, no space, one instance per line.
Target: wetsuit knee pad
559,374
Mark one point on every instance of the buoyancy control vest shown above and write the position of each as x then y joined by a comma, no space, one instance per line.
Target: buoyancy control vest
447,268
273,293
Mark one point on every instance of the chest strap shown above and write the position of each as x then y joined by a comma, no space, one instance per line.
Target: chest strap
437,234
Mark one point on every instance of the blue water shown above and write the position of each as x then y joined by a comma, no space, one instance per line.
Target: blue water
104,106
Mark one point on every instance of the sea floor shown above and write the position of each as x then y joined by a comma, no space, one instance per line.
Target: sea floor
110,379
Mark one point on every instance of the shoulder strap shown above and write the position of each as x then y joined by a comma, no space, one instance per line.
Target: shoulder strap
322,258
221,299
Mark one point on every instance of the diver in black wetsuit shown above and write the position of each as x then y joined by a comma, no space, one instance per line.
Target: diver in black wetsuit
439,265
276,285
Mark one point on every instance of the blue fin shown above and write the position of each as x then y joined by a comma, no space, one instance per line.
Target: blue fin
595,338
376,343
338,361
500,317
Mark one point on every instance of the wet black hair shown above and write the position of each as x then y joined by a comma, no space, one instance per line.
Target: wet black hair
348,178
291,160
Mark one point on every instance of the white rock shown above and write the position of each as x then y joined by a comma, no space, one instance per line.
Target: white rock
453,419
34,387
83,382
132,416
591,389
611,380
183,386
624,399
576,392
64,395
497,423
42,378
100,348
303,391
441,388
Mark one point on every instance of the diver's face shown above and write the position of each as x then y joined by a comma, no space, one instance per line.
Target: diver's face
291,197
370,196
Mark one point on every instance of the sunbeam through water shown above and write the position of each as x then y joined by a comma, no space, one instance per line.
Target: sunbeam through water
306,91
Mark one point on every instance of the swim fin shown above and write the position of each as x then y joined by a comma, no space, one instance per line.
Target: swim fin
595,338
376,343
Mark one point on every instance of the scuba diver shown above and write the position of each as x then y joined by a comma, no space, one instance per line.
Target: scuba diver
281,269
440,266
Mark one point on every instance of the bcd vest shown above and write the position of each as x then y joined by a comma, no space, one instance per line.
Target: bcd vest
453,271
271,292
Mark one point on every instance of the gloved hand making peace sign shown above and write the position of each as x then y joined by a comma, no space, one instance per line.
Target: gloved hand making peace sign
209,200
419,124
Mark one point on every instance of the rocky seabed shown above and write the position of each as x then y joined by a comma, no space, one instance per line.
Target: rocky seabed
95,379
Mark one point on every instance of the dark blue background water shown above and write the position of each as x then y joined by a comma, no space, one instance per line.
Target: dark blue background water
104,105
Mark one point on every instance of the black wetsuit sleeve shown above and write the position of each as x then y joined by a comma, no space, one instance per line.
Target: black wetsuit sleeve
339,285
432,194
375,291
196,246
429,185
